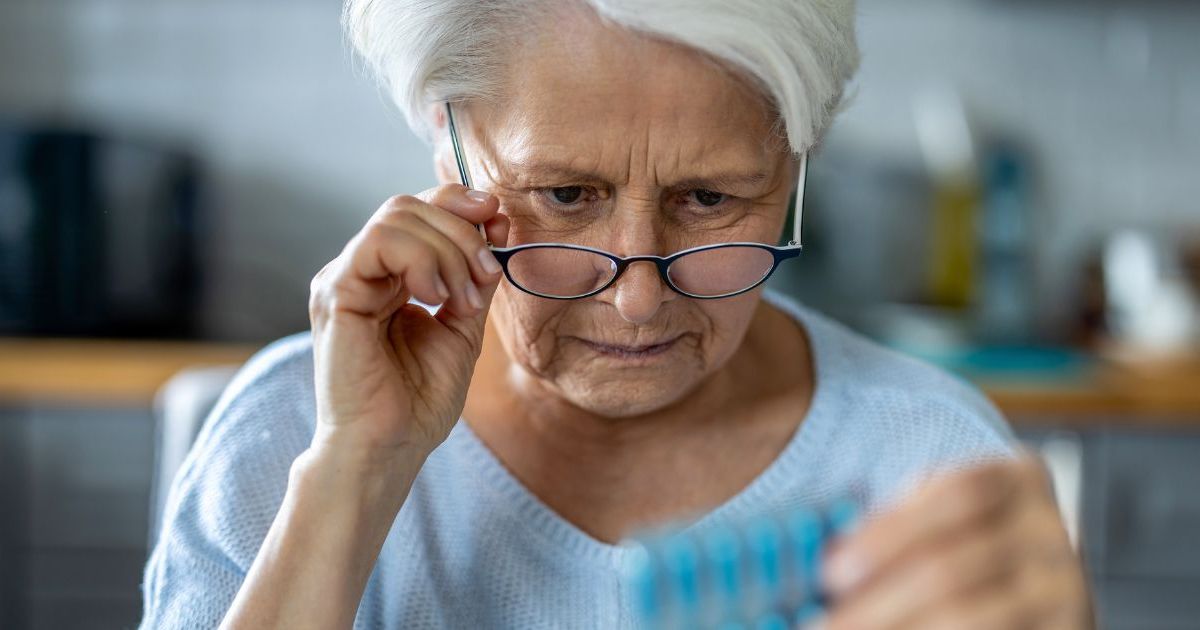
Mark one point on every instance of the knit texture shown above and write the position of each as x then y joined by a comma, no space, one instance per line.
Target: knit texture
473,548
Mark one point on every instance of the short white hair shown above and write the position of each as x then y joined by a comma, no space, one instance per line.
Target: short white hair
801,53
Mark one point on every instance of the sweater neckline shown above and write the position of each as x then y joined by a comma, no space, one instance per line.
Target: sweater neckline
788,468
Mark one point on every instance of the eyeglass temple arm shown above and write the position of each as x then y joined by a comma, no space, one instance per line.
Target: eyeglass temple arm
458,159
798,203
463,174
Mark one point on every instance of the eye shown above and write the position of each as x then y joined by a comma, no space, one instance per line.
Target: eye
567,194
707,198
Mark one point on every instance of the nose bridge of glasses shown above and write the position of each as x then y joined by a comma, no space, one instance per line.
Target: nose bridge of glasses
657,261
657,270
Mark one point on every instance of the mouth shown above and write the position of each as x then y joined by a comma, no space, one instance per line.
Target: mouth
631,352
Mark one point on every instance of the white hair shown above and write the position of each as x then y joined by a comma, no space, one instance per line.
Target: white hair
800,52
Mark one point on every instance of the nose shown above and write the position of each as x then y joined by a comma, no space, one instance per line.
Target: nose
639,293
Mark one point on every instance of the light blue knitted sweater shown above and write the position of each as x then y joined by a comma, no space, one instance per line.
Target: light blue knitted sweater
473,548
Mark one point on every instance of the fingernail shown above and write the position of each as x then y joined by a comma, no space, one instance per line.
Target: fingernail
477,196
843,571
473,295
488,261
440,287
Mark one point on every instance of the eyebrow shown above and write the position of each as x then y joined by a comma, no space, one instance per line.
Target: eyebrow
724,181
718,180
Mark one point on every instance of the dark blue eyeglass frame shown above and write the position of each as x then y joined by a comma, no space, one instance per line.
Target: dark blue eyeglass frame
621,263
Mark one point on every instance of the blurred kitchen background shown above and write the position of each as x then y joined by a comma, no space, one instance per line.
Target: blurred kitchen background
1012,192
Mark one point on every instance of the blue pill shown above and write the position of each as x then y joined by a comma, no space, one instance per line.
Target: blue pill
843,516
643,583
725,556
808,612
807,537
771,622
764,538
682,560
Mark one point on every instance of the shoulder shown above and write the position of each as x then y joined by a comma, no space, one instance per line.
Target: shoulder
910,388
286,362
236,473
898,418
268,404
225,495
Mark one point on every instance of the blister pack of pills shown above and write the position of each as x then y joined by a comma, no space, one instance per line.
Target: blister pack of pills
760,574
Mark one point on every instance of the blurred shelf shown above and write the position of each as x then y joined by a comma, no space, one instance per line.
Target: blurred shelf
1061,386
119,372
101,372
1152,395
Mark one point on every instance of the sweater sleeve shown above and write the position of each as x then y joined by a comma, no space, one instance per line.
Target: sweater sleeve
225,496
944,425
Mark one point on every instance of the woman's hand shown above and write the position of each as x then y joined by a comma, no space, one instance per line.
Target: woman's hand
391,380
980,549
390,377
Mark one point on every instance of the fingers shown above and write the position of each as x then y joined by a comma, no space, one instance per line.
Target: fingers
456,220
413,248
1030,597
472,206
982,610
958,567
993,553
479,209
454,268
497,230
945,506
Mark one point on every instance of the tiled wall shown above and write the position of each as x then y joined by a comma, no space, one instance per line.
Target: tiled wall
1105,94
302,148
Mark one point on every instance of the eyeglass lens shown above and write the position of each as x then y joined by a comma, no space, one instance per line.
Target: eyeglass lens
564,273
560,272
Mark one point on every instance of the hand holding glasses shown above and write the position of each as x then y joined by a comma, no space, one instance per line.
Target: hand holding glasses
561,271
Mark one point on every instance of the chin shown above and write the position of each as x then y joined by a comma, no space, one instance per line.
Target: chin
625,398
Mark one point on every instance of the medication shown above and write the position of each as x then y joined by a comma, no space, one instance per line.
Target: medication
760,574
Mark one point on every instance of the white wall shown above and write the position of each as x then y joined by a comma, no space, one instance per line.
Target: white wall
302,149
1105,93
300,146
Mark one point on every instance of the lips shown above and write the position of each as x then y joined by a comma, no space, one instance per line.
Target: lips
631,352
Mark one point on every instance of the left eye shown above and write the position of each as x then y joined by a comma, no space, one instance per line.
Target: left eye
567,194
707,198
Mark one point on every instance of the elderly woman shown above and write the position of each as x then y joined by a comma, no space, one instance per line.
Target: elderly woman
599,356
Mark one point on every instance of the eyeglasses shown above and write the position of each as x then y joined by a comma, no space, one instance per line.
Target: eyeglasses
561,271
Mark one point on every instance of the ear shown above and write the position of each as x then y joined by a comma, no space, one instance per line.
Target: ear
443,162
444,167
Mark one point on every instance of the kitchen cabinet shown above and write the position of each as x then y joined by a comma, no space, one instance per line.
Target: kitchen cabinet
1139,517
75,518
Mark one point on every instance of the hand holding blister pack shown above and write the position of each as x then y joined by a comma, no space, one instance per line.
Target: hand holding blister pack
759,574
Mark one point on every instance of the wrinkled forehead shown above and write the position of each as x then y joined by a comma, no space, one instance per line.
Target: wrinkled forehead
609,99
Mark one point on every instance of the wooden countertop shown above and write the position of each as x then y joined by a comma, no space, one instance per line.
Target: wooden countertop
119,372
1105,399
101,372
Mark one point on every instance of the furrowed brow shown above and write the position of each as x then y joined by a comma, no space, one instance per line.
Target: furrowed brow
724,181
527,170
731,181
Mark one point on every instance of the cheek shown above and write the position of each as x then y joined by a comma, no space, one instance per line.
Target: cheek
727,321
532,331
527,325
